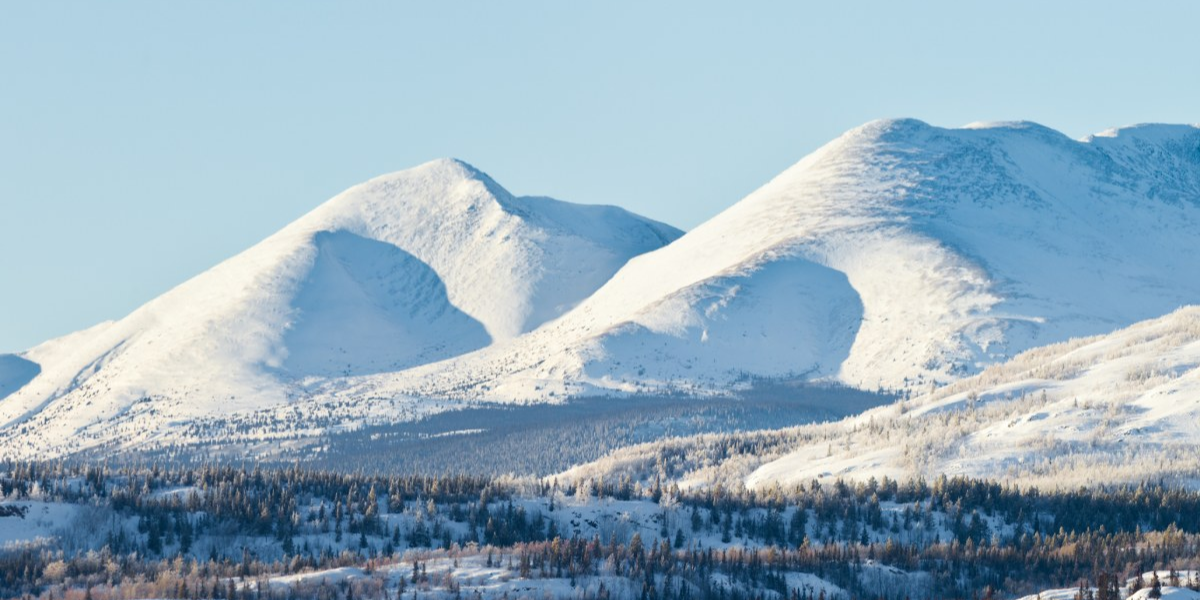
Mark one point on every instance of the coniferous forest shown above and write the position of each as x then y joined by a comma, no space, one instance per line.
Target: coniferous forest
219,531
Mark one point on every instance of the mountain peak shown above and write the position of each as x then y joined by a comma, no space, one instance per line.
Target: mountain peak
446,169
918,131
1148,132
897,256
920,253
892,124
444,181
404,270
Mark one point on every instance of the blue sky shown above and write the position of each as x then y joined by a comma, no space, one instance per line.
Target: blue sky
142,143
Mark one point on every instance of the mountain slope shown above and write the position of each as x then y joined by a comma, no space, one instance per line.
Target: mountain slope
15,372
1121,407
403,270
897,256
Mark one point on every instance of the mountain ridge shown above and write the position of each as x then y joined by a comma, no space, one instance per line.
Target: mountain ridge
995,215
405,269
899,256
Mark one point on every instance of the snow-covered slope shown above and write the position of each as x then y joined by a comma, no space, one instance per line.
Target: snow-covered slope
15,372
1122,407
898,255
406,269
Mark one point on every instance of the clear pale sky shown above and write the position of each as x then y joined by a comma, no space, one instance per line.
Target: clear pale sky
142,143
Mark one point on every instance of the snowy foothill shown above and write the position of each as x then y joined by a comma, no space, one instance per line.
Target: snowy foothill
1117,408
1122,407
448,574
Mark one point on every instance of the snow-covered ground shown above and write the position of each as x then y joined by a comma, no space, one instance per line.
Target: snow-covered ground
1170,592
1167,592
455,574
42,522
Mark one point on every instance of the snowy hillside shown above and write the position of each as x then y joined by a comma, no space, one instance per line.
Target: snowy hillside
15,372
896,256
1115,408
403,270
1125,405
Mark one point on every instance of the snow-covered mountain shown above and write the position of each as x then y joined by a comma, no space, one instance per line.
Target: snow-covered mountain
403,270
897,256
1121,407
